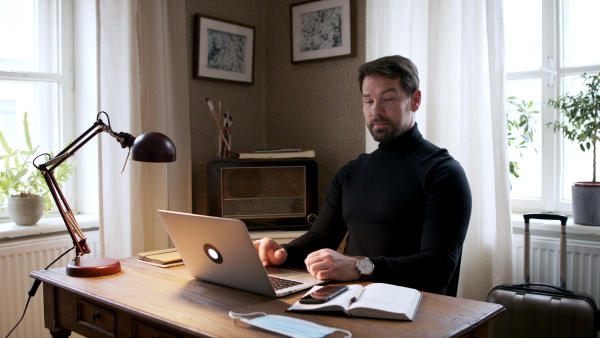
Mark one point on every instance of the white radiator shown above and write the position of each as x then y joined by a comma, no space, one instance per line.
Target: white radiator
583,263
17,260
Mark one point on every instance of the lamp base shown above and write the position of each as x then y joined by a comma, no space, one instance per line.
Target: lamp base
93,267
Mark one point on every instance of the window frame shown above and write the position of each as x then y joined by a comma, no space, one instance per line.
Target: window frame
552,153
64,80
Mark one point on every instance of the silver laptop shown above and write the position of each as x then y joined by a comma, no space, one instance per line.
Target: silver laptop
219,250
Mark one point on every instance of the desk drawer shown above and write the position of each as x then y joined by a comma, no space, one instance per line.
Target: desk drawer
96,318
142,330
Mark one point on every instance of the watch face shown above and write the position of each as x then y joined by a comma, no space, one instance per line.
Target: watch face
365,266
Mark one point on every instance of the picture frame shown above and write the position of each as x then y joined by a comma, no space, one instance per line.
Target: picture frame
224,50
323,30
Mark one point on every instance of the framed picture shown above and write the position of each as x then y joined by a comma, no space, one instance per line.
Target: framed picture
224,50
323,29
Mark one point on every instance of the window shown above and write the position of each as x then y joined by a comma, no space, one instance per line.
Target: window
35,74
548,46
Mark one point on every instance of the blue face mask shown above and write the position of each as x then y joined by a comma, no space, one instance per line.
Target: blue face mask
287,326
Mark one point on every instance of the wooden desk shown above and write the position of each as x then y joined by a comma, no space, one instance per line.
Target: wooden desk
144,300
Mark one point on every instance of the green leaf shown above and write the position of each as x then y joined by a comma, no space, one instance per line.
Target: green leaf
26,130
4,144
520,124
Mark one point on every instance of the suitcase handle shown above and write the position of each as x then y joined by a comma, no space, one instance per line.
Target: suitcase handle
563,243
548,286
545,215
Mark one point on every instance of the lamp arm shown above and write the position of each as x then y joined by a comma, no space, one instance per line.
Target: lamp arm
78,142
79,240
126,140
73,147
47,171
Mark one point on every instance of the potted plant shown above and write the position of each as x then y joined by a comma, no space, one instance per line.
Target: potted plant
581,124
22,185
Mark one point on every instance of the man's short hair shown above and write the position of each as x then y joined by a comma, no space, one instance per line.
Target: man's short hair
393,67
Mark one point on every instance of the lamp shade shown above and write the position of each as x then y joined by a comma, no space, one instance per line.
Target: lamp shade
153,147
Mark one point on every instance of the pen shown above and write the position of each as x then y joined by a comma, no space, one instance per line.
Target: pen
356,296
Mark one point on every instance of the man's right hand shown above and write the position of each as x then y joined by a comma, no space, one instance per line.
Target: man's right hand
270,252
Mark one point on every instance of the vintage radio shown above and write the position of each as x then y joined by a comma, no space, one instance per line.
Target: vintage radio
265,194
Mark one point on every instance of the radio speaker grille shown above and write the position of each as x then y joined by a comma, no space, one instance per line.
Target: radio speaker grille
266,192
265,182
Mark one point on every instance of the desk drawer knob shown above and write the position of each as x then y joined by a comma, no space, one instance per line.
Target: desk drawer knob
96,318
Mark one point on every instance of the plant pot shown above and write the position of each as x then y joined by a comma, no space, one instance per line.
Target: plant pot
25,210
586,203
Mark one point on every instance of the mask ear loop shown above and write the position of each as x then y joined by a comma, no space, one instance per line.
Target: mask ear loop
348,333
237,316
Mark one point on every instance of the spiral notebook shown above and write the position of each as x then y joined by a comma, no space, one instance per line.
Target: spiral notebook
164,258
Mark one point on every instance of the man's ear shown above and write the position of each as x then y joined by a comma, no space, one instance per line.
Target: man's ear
416,100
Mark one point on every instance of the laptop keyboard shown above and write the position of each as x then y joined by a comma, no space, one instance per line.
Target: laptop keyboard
280,283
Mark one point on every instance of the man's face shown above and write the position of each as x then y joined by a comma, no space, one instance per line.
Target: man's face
389,111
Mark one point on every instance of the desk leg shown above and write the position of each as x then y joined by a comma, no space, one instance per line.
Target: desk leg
481,331
50,311
59,333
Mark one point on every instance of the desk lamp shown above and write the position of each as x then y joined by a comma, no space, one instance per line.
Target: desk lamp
148,147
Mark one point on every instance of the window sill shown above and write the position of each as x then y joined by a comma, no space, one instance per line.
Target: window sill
546,228
49,226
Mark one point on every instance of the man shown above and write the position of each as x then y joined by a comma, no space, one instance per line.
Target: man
405,207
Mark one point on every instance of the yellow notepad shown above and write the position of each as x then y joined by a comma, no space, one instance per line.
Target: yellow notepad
164,258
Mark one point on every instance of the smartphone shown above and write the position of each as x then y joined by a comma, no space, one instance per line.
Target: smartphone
323,295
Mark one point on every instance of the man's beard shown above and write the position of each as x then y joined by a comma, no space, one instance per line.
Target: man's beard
381,135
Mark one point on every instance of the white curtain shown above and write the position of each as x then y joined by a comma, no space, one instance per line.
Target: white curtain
458,47
142,57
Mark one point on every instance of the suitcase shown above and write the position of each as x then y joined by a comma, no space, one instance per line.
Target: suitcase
543,310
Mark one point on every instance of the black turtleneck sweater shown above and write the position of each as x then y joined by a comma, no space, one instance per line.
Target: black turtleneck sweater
406,206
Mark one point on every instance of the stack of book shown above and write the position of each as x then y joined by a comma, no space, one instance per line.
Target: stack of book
164,258
278,153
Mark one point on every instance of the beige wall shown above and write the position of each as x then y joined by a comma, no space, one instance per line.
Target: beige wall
314,105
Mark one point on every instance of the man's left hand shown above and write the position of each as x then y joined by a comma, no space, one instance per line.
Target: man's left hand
332,265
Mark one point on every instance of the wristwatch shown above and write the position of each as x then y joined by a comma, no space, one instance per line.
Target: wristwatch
364,267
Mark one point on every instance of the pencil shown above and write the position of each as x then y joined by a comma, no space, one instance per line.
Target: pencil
214,114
